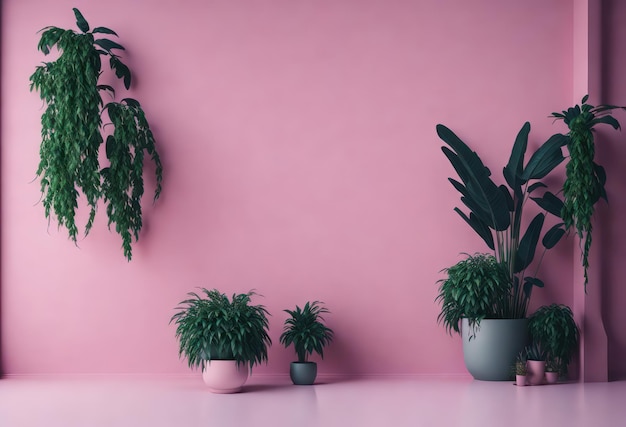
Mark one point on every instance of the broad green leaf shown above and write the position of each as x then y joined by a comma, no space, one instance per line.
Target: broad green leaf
81,22
550,203
513,170
546,158
528,243
104,30
107,44
479,227
553,235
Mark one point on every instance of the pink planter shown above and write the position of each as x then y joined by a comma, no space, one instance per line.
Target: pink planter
536,371
520,380
552,377
224,376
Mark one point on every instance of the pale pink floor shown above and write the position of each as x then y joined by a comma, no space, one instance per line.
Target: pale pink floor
376,402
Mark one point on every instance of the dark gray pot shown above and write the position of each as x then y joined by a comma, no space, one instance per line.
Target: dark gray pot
303,373
491,354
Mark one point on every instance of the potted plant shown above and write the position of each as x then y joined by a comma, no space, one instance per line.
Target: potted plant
536,362
552,370
521,369
72,133
584,178
225,338
473,292
496,214
305,329
554,328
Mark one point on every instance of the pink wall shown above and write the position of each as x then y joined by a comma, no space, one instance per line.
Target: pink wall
612,152
298,140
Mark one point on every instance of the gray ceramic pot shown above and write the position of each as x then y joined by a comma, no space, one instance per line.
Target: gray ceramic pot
490,355
303,373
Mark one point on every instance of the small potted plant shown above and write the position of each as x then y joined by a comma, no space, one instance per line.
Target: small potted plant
521,369
554,328
552,370
307,332
536,362
225,338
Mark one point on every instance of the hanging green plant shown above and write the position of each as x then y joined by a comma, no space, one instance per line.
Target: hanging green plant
72,133
584,178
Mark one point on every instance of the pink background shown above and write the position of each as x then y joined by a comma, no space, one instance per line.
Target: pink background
301,160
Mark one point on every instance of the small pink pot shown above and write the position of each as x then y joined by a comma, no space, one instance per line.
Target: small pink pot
520,380
536,371
224,376
552,377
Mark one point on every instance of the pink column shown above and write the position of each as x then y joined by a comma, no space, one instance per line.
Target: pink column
588,306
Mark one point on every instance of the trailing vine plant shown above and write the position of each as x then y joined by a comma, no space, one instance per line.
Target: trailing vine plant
72,133
584,178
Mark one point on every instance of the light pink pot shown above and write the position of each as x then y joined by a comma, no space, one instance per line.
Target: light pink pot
552,377
224,376
520,380
536,371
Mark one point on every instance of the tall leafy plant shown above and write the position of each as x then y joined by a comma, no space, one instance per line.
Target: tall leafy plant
496,212
73,132
585,179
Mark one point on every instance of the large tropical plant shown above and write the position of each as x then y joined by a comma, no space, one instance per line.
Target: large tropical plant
72,133
496,212
212,327
305,329
584,178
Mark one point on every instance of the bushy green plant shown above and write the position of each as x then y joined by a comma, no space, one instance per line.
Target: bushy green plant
584,178
306,331
554,328
475,288
72,133
214,327
496,212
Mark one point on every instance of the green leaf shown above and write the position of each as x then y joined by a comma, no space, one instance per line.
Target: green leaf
478,226
107,88
550,203
513,170
121,70
528,243
546,158
107,44
80,21
609,120
104,30
553,235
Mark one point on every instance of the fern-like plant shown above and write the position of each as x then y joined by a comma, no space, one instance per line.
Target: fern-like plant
72,133
306,331
585,179
212,327
475,288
